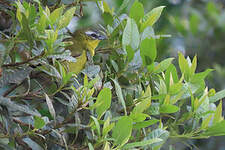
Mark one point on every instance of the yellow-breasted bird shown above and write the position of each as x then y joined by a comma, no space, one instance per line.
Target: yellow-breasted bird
84,41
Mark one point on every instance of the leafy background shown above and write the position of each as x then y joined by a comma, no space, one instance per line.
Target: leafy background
195,27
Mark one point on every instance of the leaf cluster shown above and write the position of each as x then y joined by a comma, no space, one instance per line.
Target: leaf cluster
127,99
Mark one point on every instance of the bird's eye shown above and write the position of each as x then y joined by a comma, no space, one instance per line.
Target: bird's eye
94,35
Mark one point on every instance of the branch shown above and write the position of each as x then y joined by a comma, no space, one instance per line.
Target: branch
24,62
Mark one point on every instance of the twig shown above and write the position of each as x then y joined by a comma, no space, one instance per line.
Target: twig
24,62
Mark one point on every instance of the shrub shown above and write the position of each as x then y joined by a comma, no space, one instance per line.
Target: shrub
123,99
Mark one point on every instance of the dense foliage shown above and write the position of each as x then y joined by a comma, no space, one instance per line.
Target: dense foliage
124,98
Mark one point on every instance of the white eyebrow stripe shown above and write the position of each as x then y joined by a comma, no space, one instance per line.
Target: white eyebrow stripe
90,32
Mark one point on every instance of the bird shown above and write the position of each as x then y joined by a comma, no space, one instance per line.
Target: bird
84,40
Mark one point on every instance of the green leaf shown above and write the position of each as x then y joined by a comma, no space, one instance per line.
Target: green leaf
104,99
142,143
142,105
66,18
162,66
216,130
148,51
131,34
122,130
106,7
218,96
130,53
120,95
218,114
193,65
123,5
136,11
157,133
90,146
171,74
97,125
50,106
151,17
144,124
138,117
175,88
55,15
107,127
38,122
108,18
184,67
200,76
168,109
205,122
26,33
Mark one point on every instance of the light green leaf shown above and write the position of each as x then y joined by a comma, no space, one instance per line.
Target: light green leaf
200,76
218,114
142,143
97,125
130,53
107,146
216,130
66,18
106,8
148,51
104,98
157,133
168,109
184,67
205,122
151,17
55,15
131,34
193,65
136,11
175,88
142,105
162,66
122,130
38,122
120,95
107,127
218,96
138,117
90,146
